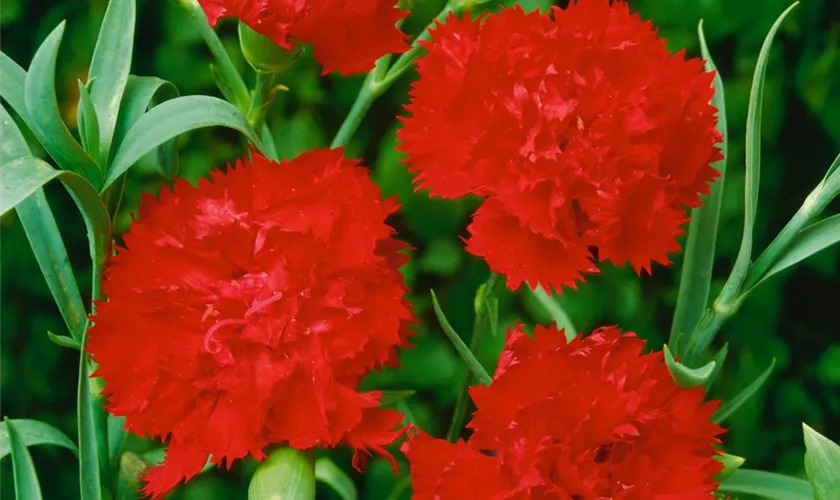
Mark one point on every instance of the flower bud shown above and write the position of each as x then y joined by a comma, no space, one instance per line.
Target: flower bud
132,468
262,54
287,474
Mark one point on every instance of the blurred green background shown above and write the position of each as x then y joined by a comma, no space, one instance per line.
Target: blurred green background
793,318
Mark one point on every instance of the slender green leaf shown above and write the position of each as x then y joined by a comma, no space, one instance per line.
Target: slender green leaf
696,275
34,433
328,473
43,234
110,66
822,463
731,463
25,478
731,406
685,377
12,86
472,363
393,396
141,94
832,169
268,143
768,485
87,122
22,177
286,474
558,315
45,118
89,477
719,359
64,341
753,159
13,145
116,437
38,222
171,119
810,241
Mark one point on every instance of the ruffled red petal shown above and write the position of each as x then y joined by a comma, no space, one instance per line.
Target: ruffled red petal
523,255
347,36
593,418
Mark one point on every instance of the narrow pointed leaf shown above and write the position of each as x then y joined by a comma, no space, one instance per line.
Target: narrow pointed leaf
835,165
328,473
88,123
269,147
685,377
696,275
34,433
719,359
171,119
64,341
472,363
557,313
393,396
731,463
23,469
810,241
767,485
822,463
731,406
89,478
117,436
13,145
753,157
43,234
45,119
24,176
110,66
141,94
12,84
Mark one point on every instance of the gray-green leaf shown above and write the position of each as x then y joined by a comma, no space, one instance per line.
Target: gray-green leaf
822,463
25,477
45,119
171,119
110,66
34,433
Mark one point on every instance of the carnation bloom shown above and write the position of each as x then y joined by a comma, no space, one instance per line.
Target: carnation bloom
346,35
244,312
586,420
577,127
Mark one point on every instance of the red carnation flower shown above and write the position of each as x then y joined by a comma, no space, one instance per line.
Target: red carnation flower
579,129
244,312
585,420
347,36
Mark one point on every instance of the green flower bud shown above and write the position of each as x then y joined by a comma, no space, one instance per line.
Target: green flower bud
262,53
287,474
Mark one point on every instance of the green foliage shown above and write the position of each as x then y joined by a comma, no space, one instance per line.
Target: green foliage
822,463
25,477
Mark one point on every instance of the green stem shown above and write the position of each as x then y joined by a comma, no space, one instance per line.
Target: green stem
382,78
735,292
369,92
260,99
480,325
226,68
813,205
558,314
